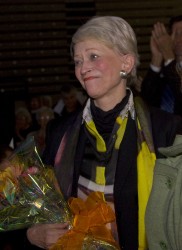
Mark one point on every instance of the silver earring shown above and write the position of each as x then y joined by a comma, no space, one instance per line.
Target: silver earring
123,74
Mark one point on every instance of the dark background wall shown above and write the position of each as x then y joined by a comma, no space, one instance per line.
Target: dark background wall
35,37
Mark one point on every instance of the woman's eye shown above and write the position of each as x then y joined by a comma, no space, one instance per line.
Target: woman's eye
93,56
77,63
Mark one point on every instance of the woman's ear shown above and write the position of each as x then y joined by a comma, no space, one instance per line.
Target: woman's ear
128,62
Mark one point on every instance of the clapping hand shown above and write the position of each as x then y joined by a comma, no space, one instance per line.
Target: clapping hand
161,44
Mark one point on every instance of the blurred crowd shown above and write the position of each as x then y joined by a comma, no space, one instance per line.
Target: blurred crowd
33,115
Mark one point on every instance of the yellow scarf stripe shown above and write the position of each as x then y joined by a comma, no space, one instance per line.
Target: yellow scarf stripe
100,175
145,168
100,143
121,130
138,124
101,147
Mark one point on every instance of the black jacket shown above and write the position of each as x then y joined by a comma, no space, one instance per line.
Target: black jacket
154,84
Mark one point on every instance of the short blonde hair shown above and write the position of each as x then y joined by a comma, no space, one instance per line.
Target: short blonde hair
113,31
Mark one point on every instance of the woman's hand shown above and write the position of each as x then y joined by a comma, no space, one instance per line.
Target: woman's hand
45,235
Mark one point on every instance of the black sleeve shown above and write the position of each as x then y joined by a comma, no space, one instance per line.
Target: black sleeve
54,133
55,130
175,82
152,87
165,127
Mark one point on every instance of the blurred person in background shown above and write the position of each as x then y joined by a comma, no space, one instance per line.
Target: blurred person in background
43,116
23,126
46,101
162,85
34,103
69,101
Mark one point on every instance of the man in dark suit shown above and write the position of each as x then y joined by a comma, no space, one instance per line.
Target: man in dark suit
162,85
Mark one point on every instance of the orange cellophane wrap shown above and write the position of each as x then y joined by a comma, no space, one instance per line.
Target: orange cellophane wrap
90,219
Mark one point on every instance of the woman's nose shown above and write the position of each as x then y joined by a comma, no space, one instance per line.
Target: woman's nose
86,67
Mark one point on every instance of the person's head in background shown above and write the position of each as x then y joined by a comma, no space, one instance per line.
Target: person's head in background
23,122
5,152
175,27
34,103
46,101
43,116
69,97
22,118
105,53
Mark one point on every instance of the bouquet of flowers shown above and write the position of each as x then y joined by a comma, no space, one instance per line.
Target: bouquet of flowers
30,194
29,191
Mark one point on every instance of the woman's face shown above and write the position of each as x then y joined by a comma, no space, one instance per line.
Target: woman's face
97,67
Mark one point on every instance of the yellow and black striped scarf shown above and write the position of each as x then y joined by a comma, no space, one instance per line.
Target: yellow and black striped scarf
145,159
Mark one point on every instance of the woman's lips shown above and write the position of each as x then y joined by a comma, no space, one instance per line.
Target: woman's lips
88,78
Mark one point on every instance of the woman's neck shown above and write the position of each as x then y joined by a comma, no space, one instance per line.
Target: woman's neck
108,103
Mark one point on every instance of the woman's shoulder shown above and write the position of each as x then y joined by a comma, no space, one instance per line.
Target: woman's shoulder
60,124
